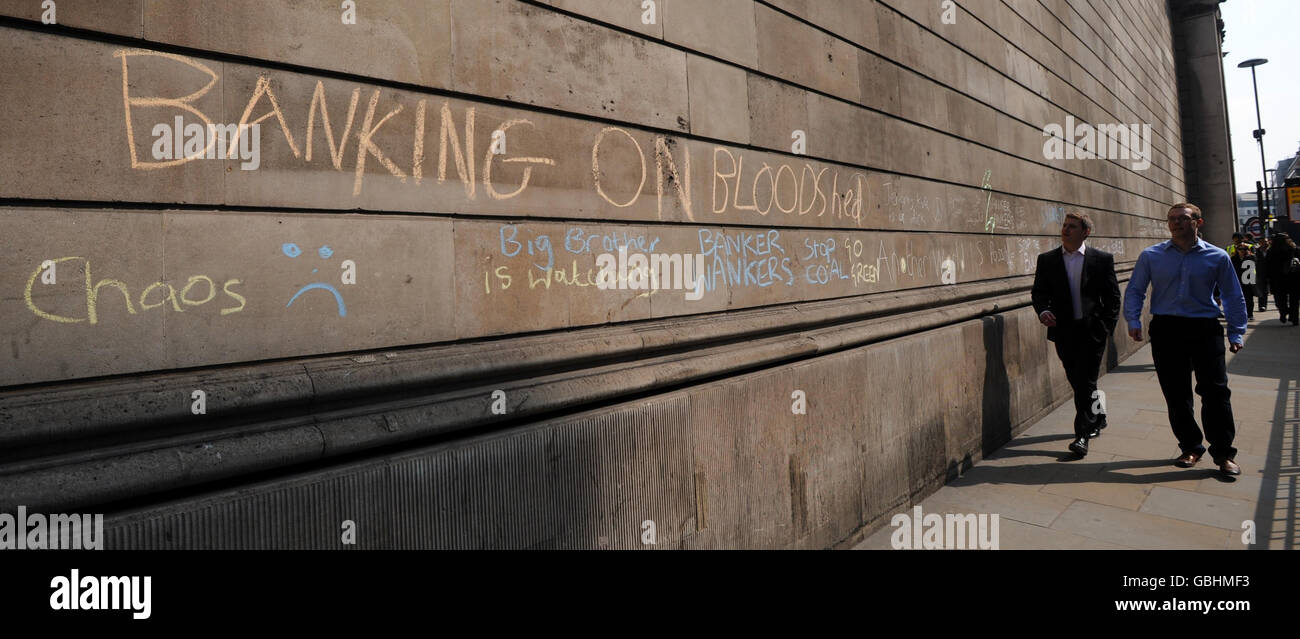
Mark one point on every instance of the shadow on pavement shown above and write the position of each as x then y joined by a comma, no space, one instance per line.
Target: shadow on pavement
1132,368
1072,470
1272,350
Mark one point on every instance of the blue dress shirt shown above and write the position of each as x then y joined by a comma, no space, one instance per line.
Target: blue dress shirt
1183,284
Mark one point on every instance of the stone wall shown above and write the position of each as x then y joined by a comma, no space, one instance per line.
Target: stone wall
385,290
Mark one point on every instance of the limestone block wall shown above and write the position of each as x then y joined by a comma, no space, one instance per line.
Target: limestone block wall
261,250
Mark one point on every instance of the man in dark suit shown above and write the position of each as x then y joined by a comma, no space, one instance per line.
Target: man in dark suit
1076,296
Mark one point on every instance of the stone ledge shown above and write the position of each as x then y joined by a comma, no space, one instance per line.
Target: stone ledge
310,410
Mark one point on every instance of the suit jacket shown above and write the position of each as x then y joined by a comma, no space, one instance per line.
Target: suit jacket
1098,290
1278,258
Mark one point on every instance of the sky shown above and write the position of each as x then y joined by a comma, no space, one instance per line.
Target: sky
1262,29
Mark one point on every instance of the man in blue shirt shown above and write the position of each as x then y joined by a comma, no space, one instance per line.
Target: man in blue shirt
1186,336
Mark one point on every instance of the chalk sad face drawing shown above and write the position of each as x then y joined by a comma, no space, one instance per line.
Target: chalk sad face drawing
292,250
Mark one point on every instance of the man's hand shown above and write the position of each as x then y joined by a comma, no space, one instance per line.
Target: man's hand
1136,334
1047,318
1236,347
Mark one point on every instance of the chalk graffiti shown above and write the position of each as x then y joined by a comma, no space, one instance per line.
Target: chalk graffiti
367,146
739,259
292,250
744,258
578,241
216,142
821,264
801,194
169,295
989,222
742,185
654,272
1053,215
679,178
913,210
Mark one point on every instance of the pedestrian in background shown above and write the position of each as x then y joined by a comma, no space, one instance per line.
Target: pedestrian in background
1284,276
1243,261
1261,273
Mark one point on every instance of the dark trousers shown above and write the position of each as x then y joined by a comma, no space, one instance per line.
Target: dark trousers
1286,296
1181,347
1248,291
1080,351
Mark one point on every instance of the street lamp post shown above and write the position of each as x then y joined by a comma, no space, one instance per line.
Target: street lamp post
1262,188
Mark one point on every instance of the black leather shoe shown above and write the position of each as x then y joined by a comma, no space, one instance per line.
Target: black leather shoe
1079,446
1096,432
1229,467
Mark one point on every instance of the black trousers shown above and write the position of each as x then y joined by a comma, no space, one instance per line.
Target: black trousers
1286,295
1081,351
1181,347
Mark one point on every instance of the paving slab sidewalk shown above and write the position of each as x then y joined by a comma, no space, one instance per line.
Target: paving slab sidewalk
1127,493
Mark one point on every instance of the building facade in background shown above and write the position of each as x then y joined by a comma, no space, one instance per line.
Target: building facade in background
1247,207
1286,169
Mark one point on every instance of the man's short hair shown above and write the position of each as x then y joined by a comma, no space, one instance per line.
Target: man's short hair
1236,236
1196,210
1083,219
